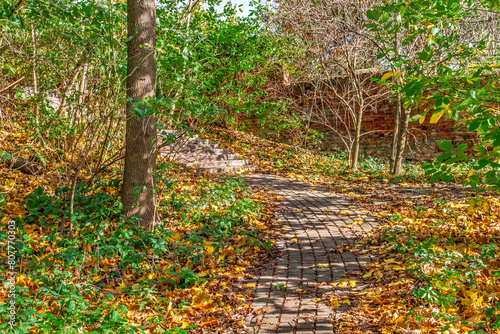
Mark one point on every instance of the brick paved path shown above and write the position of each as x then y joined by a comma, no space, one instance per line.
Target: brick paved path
312,256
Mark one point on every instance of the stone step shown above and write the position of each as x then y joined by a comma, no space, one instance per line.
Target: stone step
203,157
206,157
190,146
217,170
216,163
208,152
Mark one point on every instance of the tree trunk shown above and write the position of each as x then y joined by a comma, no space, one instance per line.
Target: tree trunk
395,136
33,70
397,113
401,140
140,147
357,135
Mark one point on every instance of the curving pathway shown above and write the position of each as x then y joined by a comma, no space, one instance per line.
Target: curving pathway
292,294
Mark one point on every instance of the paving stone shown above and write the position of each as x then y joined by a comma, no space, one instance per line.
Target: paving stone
311,214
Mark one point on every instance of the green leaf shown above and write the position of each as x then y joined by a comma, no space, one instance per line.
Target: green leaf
465,103
115,316
435,177
480,149
427,165
474,124
123,308
447,178
444,156
460,148
483,163
384,17
450,161
373,14
445,145
485,126
5,156
494,4
415,118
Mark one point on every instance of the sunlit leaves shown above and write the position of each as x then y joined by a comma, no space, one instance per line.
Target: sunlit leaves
460,75
449,263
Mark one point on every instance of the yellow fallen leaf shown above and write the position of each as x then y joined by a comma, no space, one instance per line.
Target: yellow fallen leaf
334,302
300,291
120,287
201,299
344,283
347,324
175,237
97,278
261,226
369,274
209,250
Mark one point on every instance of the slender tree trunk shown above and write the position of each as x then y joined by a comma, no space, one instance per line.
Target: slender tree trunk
395,135
83,83
140,152
67,91
33,69
357,136
401,140
397,114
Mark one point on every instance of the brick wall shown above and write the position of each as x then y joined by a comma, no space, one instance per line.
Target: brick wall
377,126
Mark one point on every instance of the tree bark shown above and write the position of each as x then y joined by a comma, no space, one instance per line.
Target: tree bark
140,140
357,136
33,69
395,136
397,114
405,118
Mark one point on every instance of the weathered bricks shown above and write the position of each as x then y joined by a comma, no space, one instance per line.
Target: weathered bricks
308,261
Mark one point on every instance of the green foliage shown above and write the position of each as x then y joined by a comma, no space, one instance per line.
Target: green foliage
64,287
455,65
214,69
443,166
211,70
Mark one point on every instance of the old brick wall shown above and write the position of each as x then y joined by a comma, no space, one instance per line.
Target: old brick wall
377,126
